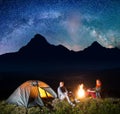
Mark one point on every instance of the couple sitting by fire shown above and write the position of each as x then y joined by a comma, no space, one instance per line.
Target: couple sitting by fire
63,92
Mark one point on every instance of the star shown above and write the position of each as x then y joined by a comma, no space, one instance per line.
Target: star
74,24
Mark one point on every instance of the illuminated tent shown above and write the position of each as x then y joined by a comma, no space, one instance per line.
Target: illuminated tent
31,93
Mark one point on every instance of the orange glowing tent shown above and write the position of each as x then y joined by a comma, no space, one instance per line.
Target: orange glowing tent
31,93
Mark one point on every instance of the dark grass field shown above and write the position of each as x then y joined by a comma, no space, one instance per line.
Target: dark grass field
86,106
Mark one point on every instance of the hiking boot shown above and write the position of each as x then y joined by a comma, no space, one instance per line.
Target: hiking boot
72,104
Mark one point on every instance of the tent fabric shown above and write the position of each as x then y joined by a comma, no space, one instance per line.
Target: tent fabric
31,93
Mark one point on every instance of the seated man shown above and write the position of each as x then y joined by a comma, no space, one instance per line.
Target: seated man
63,93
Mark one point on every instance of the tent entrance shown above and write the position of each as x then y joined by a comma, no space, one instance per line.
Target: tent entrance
33,95
34,98
44,94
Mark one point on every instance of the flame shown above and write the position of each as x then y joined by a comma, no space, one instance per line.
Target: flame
81,91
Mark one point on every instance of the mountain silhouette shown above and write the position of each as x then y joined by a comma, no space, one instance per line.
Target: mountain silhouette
38,47
100,53
39,55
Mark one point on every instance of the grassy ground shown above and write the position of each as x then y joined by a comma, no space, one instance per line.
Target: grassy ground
86,106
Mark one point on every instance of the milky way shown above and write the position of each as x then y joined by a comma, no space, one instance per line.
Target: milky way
72,23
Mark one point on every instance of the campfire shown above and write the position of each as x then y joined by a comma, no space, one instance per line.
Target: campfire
81,92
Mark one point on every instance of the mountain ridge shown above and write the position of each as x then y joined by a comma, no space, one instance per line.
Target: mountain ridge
39,41
38,53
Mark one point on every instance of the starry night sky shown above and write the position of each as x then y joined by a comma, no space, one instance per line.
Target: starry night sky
72,23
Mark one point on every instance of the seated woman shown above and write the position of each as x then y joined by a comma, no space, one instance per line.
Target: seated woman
95,93
98,88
